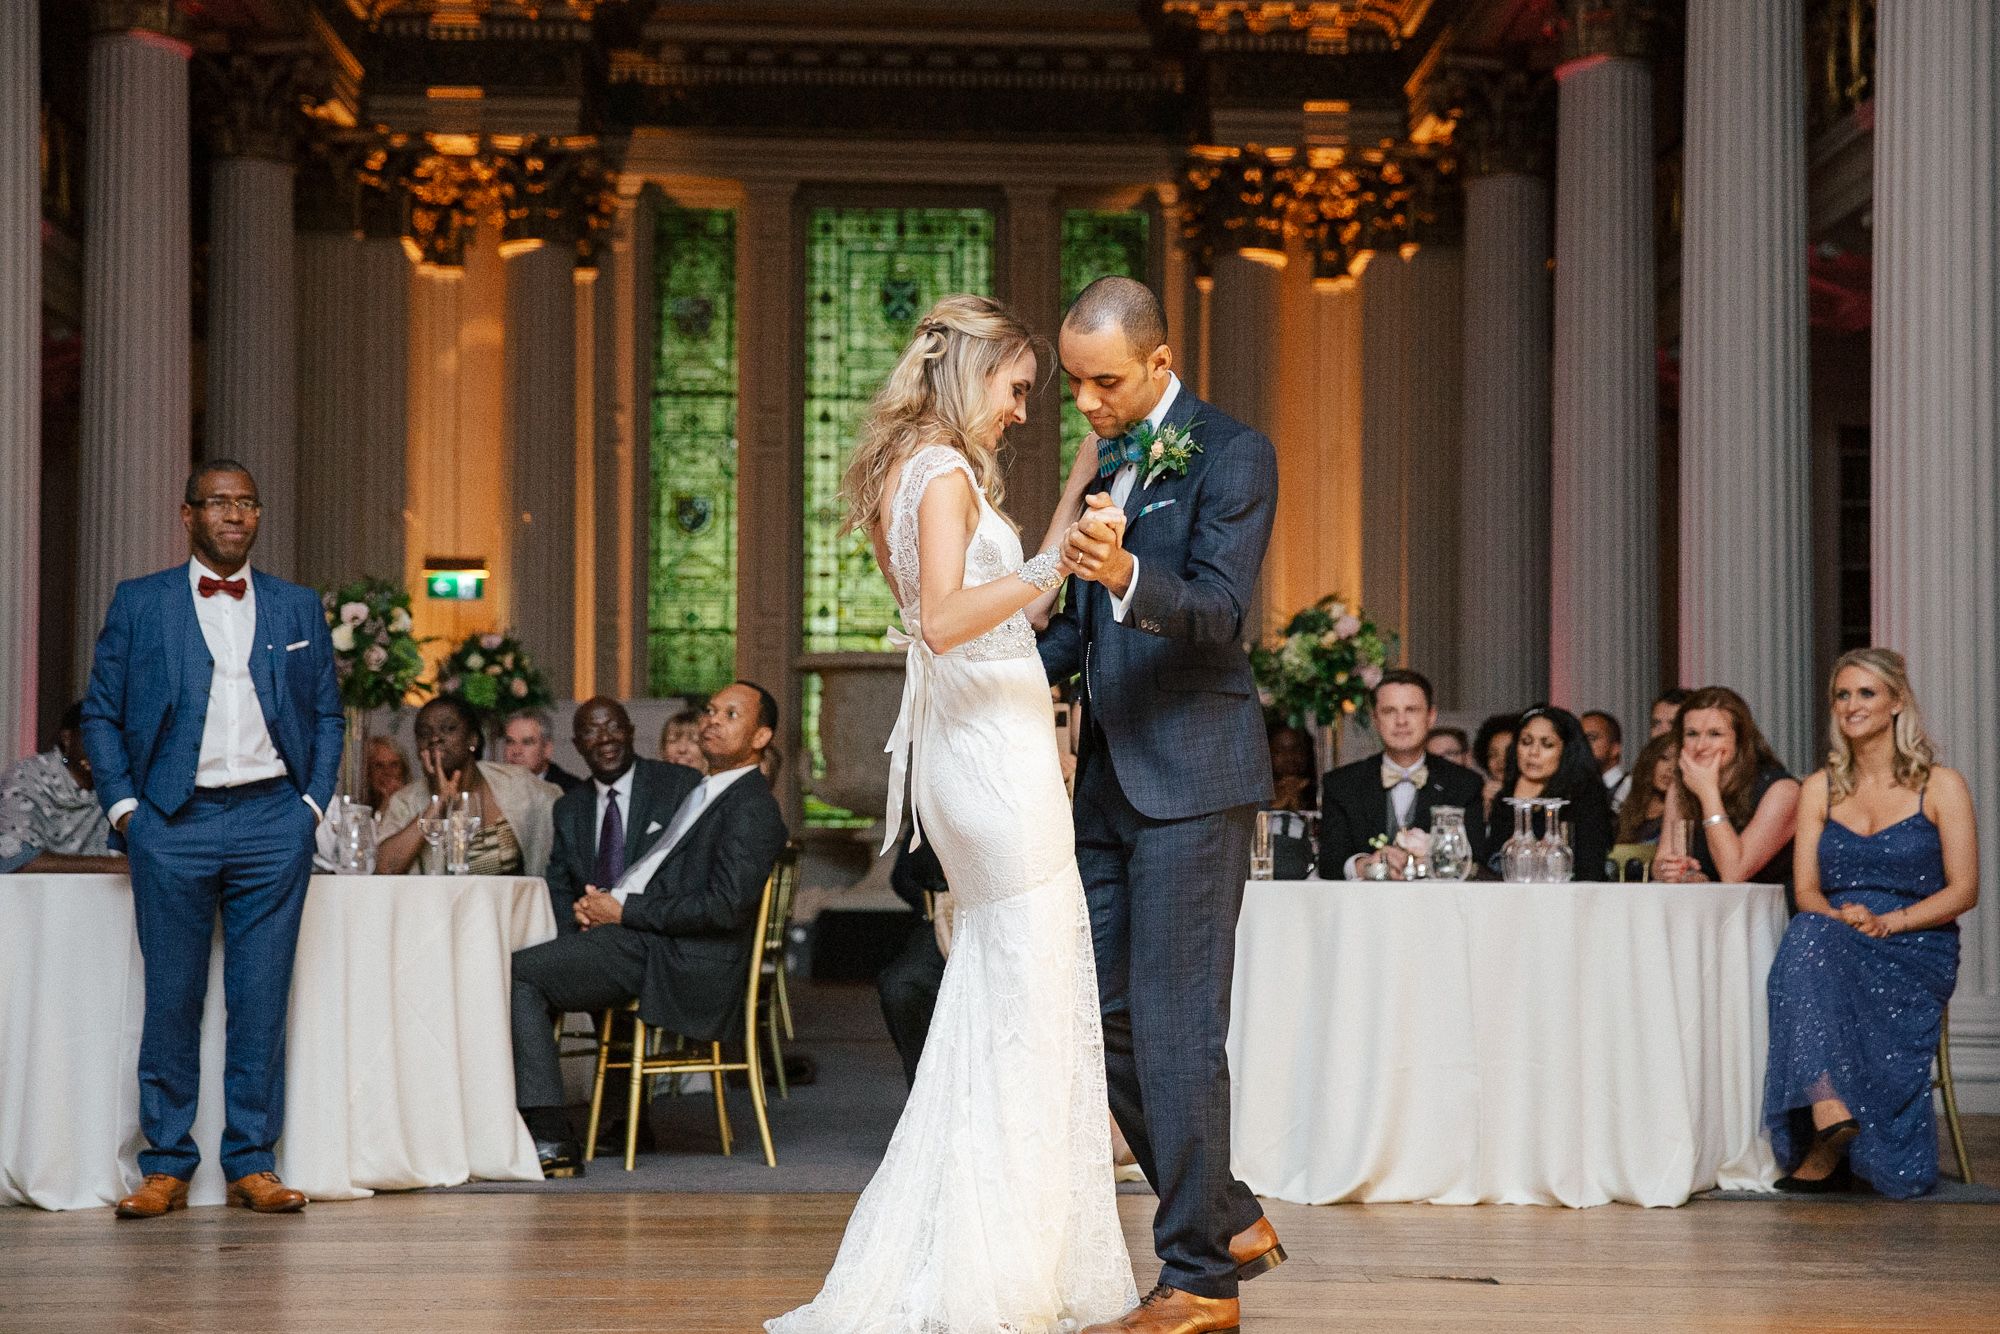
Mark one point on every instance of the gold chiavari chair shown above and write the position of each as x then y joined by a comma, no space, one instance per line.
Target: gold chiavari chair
777,1004
1941,1081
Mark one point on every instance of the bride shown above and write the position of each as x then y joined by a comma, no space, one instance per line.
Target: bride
994,1208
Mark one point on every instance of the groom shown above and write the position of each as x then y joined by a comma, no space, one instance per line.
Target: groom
1172,766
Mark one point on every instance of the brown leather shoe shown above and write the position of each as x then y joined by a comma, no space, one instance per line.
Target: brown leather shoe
262,1192
158,1194
1256,1250
1167,1310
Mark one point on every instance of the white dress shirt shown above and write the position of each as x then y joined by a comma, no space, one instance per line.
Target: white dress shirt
236,745
641,872
1127,478
622,786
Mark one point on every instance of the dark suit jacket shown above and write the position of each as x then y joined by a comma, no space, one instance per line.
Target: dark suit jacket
1354,807
699,913
149,683
1171,688
562,777
657,792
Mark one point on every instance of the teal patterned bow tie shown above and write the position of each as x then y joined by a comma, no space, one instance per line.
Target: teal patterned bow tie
1127,448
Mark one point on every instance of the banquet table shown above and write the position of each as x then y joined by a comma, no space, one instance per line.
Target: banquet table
1470,1043
399,1067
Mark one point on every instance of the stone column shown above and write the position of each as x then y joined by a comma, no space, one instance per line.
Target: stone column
1745,558
1433,382
1504,478
1386,332
1243,370
1034,290
20,372
251,401
353,282
770,574
623,473
135,428
1604,649
1935,490
541,427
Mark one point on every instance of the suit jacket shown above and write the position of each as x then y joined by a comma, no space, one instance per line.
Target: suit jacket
658,789
699,913
149,683
1170,689
1354,807
561,777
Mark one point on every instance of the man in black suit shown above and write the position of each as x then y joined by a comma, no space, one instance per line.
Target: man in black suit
1395,788
673,930
612,821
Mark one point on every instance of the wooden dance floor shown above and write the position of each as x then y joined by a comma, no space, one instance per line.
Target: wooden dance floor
552,1264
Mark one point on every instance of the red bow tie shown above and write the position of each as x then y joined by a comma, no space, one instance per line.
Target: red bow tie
233,587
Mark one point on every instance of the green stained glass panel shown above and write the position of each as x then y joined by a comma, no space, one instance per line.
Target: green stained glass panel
1097,245
691,595
871,273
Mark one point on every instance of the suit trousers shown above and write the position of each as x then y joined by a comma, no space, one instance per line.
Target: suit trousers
246,851
588,970
1164,897
909,992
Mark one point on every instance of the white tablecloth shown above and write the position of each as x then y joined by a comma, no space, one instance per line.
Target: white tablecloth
399,1067
1491,1043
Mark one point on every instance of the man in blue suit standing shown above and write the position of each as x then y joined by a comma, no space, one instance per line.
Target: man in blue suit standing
213,726
1172,765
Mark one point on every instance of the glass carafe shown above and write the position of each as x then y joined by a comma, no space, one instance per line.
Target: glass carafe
1451,848
1520,856
1558,861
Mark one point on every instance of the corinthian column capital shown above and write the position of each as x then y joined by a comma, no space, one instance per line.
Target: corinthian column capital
254,103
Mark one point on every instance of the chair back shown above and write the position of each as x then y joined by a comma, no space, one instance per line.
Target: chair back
1633,861
759,946
783,887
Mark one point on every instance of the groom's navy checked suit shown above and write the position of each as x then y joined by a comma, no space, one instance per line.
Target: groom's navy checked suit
1172,767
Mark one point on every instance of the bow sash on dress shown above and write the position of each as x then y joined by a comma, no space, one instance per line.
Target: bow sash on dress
902,747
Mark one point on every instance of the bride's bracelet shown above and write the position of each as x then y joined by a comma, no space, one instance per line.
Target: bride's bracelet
1043,572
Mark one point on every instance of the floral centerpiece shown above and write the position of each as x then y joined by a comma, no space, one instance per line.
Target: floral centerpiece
493,673
377,659
1323,665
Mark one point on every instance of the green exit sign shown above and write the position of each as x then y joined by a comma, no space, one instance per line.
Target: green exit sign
457,585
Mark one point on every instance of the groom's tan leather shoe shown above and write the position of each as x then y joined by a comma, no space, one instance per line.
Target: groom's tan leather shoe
1167,1310
158,1194
1256,1250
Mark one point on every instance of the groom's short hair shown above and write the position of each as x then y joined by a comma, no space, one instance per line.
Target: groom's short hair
1124,302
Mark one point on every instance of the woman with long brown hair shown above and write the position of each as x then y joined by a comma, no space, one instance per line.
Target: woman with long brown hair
1888,860
994,1207
1738,797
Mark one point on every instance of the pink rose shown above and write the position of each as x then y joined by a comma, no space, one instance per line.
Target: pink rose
1371,676
375,657
491,642
449,685
520,688
354,613
1347,627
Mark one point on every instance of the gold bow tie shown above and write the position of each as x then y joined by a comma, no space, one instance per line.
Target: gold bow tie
1416,777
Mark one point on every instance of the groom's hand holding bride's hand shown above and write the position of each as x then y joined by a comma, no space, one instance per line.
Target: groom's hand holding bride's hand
1095,545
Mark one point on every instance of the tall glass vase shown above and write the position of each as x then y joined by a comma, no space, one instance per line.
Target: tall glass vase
354,755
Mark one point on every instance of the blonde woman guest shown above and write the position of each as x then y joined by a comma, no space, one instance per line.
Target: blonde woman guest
1742,803
1888,860
517,828
680,741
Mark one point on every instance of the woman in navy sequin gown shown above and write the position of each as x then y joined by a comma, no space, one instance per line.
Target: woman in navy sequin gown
1887,861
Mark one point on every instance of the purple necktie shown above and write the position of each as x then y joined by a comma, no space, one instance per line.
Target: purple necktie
610,844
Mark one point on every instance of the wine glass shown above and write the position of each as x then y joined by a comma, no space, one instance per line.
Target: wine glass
1558,863
467,814
1520,856
431,821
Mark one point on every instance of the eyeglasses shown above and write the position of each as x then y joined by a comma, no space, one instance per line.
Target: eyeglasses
217,506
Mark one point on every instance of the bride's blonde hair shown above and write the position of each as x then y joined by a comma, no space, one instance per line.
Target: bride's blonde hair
936,396
1914,753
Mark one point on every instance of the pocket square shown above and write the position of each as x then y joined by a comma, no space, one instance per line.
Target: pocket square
1157,505
293,648
652,826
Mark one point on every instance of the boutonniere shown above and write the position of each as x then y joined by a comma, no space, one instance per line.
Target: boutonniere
1169,453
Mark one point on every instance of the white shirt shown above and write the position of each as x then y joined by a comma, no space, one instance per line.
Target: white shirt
1125,479
640,874
1619,783
622,785
236,745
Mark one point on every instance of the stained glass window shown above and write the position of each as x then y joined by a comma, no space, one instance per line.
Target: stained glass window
871,273
1096,245
691,596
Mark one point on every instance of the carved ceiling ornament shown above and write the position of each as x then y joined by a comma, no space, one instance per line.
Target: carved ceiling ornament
1334,26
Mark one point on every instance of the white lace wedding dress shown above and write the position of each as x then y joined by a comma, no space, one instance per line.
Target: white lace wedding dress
993,1211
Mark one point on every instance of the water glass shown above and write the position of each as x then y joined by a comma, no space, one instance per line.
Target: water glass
354,838
462,826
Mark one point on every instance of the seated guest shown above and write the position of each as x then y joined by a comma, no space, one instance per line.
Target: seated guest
1551,758
1393,789
528,742
771,766
50,822
909,985
1607,747
1743,802
1490,745
674,931
1666,709
1293,789
385,772
517,826
1645,808
1888,860
680,740
612,821
1450,743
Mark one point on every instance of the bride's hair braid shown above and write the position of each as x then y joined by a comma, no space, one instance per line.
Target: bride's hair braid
936,395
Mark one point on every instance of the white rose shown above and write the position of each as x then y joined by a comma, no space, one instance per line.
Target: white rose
343,637
1158,449
474,661
353,613
375,657
399,623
